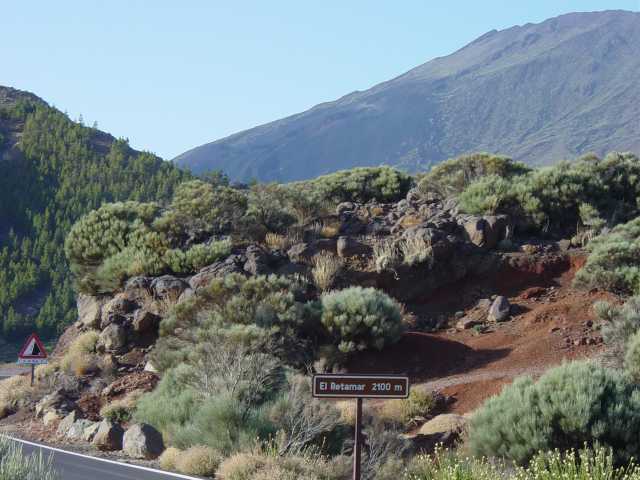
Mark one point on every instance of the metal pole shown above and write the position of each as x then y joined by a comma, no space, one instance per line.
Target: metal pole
357,448
33,370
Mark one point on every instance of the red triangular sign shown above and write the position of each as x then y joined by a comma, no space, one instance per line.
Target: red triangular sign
33,348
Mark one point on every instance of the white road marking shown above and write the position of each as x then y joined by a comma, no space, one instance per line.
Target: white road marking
104,460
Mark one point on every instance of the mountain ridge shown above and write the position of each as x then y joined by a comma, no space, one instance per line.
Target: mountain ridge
538,92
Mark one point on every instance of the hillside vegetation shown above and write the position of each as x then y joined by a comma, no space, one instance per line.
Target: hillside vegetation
53,171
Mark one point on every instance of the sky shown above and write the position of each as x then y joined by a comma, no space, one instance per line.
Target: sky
172,75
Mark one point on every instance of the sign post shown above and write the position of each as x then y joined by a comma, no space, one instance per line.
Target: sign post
33,353
360,387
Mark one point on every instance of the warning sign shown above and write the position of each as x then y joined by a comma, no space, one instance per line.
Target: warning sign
33,352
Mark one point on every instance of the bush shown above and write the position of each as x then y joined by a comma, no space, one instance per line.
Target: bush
419,404
122,410
614,261
14,465
81,358
197,256
632,357
619,324
573,405
15,392
360,318
169,459
198,460
361,185
451,177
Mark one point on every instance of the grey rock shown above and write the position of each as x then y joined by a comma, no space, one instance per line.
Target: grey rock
215,270
467,322
168,286
76,431
50,417
499,310
349,247
90,310
257,261
345,207
113,338
145,321
90,432
108,437
142,441
66,423
56,401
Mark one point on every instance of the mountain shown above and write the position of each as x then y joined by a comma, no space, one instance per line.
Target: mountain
538,92
53,171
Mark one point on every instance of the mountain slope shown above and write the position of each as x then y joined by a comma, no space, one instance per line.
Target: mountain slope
52,171
538,92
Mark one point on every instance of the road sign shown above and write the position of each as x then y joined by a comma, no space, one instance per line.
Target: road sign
360,386
33,352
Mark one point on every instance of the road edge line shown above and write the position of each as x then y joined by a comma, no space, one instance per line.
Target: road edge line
104,460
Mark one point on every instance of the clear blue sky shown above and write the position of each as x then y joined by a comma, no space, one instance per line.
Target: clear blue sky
171,75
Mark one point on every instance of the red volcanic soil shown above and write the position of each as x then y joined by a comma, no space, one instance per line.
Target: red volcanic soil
551,322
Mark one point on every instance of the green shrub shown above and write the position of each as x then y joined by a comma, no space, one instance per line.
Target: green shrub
619,324
269,209
570,406
360,318
614,261
588,192
361,185
14,465
197,257
451,177
200,209
632,357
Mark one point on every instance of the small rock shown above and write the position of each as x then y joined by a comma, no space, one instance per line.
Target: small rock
444,423
108,436
89,310
500,310
467,323
348,247
142,441
168,286
257,261
554,329
345,207
56,401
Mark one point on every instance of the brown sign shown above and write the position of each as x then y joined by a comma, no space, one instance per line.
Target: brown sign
360,386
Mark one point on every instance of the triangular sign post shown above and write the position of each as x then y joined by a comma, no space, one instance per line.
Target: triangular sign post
32,353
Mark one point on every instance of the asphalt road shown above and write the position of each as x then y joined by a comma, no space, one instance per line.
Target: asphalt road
73,466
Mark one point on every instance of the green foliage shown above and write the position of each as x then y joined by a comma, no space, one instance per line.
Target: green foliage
453,176
360,318
614,261
632,357
361,185
570,406
588,192
270,209
197,256
66,171
620,327
15,465
200,209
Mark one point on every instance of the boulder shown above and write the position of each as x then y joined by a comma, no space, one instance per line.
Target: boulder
145,321
496,229
257,261
108,437
142,441
467,322
90,310
76,431
168,286
218,269
444,425
349,247
120,305
90,431
475,229
345,207
499,310
113,338
66,423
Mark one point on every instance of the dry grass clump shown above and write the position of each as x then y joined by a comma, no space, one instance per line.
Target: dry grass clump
169,458
14,392
386,255
330,228
122,409
415,250
401,411
81,358
241,466
278,241
326,267
198,460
